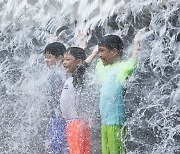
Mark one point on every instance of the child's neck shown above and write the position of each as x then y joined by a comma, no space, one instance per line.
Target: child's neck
115,61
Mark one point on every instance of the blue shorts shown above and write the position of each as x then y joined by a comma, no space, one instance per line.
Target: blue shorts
58,135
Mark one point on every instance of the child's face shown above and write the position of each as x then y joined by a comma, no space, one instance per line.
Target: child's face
70,63
52,60
107,56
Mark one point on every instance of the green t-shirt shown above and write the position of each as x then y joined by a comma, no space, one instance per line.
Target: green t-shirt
111,100
124,69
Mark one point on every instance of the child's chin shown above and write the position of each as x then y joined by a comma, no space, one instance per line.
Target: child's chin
67,70
105,63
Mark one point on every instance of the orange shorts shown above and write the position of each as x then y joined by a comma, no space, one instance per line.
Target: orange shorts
78,136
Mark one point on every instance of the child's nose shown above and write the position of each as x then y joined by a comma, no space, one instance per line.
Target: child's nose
64,61
46,59
100,55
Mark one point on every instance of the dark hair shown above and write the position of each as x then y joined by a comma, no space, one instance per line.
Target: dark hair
76,52
111,42
78,74
55,48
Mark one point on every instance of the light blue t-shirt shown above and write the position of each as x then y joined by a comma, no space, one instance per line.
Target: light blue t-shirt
111,99
55,84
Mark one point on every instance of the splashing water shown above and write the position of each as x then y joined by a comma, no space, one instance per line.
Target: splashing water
152,95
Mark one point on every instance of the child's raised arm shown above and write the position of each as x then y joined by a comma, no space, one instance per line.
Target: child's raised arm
92,55
137,40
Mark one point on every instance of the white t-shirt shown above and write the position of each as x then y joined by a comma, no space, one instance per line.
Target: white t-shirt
68,100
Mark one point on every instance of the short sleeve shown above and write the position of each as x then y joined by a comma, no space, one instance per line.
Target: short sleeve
123,69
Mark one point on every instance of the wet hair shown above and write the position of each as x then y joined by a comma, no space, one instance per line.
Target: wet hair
111,42
78,74
55,48
76,52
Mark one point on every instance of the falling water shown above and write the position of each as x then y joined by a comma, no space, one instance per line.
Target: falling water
152,94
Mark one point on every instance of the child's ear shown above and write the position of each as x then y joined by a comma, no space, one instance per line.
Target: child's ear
115,52
79,61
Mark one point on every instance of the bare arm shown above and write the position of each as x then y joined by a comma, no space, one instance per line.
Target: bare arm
137,40
92,55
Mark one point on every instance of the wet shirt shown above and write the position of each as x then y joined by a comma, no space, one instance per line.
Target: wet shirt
55,85
69,102
111,99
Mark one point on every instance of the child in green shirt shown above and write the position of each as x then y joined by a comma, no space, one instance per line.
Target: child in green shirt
113,71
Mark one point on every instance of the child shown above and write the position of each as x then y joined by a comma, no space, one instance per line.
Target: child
113,72
72,106
53,57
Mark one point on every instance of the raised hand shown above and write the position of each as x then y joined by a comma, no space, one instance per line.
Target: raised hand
137,40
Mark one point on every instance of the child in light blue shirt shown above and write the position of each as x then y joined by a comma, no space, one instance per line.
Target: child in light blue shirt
53,57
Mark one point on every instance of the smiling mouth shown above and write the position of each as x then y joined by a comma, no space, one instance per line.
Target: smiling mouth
65,67
104,61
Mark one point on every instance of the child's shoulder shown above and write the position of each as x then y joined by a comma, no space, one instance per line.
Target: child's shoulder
56,74
126,62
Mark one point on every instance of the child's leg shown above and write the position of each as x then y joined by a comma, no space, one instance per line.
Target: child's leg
53,134
78,136
104,140
116,134
86,138
58,136
61,135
